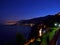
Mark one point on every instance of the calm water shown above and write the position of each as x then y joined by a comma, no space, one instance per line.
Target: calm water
8,34
23,30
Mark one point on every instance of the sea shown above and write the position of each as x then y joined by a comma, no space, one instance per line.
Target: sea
8,34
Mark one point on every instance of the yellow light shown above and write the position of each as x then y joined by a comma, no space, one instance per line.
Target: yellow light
32,40
40,32
39,39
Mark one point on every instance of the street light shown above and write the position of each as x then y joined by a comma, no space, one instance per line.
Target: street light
40,32
59,25
55,24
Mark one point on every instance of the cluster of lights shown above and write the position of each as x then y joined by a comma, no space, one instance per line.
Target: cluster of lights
56,24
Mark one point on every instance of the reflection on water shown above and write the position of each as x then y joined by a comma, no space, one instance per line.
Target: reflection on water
23,30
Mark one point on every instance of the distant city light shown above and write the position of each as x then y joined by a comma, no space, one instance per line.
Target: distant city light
39,39
59,25
40,32
44,31
59,13
55,24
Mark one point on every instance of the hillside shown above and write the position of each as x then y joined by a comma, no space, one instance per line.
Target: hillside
50,19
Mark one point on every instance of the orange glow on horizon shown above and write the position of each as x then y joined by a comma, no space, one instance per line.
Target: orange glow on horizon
10,22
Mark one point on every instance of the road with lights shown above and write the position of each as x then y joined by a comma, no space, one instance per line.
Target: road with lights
50,38
47,36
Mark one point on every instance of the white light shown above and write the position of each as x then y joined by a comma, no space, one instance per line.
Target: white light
40,32
55,24
59,25
44,31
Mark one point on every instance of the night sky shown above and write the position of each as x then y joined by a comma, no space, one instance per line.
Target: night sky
27,9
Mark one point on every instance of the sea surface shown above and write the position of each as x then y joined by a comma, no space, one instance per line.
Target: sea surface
8,34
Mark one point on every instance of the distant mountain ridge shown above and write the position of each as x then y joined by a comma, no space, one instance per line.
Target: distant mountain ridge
46,19
35,19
